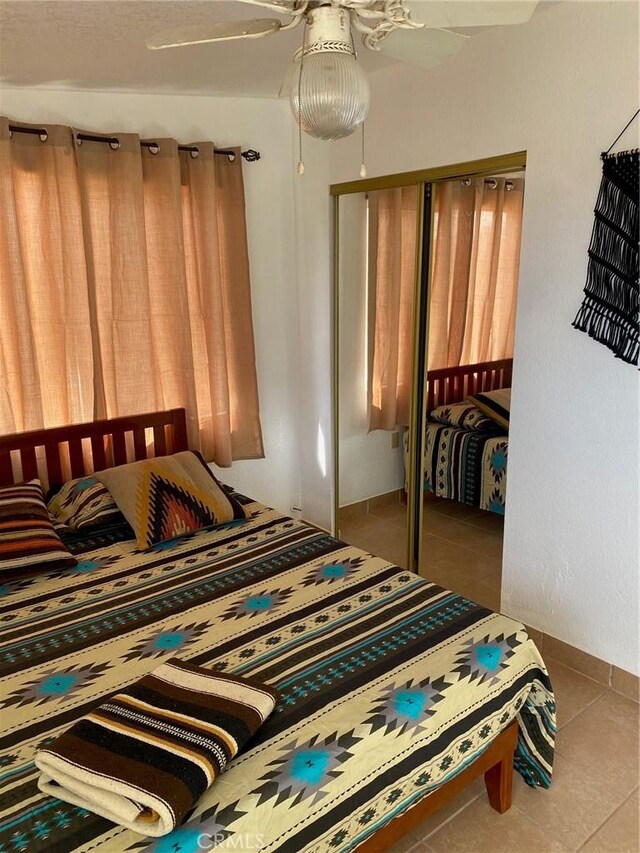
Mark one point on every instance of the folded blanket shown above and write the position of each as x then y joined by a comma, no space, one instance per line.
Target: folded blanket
145,756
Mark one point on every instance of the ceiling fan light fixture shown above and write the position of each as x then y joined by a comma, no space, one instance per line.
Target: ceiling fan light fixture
330,94
333,97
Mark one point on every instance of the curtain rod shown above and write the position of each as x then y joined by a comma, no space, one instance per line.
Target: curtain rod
250,155
508,184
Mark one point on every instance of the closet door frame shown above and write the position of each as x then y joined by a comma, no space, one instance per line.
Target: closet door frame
426,182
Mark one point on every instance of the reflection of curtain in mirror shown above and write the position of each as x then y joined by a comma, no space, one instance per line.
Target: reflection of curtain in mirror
392,259
476,254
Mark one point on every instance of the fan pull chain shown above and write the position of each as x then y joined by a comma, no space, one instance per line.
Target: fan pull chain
300,168
363,168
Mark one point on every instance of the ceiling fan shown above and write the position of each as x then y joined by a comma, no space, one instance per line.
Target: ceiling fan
328,90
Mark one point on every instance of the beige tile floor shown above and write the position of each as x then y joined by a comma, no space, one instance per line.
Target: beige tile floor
461,545
594,803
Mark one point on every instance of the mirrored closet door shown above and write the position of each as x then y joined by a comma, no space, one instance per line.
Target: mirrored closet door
378,289
426,272
473,283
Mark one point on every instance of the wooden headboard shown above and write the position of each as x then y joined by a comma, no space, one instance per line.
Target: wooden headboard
62,453
454,384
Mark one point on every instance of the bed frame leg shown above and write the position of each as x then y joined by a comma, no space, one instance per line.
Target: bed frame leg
498,781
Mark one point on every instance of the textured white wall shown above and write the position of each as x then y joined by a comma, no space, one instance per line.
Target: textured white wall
560,87
261,124
310,243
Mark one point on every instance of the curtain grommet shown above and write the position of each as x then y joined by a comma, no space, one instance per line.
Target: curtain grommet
153,148
43,136
114,144
194,152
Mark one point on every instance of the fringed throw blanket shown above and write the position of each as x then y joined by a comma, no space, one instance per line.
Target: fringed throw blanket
145,756
609,312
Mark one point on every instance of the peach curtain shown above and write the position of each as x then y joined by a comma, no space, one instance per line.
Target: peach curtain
392,272
140,257
476,256
45,337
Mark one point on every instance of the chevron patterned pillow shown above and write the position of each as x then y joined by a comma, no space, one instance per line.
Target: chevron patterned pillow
170,496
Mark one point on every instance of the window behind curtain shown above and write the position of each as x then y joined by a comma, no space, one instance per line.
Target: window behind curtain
124,287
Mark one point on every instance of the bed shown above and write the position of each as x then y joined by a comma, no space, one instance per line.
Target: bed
395,692
464,464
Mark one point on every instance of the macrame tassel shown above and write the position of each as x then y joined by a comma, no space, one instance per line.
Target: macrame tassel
610,311
363,168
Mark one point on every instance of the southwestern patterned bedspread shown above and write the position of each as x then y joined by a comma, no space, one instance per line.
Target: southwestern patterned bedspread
465,465
390,685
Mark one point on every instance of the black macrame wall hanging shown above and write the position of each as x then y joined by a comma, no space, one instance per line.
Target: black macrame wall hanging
609,311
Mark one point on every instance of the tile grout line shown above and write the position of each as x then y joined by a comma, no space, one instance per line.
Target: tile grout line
464,547
451,817
474,527
452,518
605,690
579,714
535,823
609,816
485,556
464,520
577,671
606,686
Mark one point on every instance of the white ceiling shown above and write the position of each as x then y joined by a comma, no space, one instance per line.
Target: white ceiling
100,44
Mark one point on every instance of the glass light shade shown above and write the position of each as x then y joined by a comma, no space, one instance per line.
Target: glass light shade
334,95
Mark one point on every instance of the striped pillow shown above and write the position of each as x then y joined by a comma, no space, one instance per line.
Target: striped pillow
28,542
464,416
495,404
84,503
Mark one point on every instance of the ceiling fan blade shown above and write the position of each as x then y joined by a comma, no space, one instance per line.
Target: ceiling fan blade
284,6
479,13
425,47
223,31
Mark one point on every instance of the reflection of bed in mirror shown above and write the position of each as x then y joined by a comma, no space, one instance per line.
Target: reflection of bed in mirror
466,449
